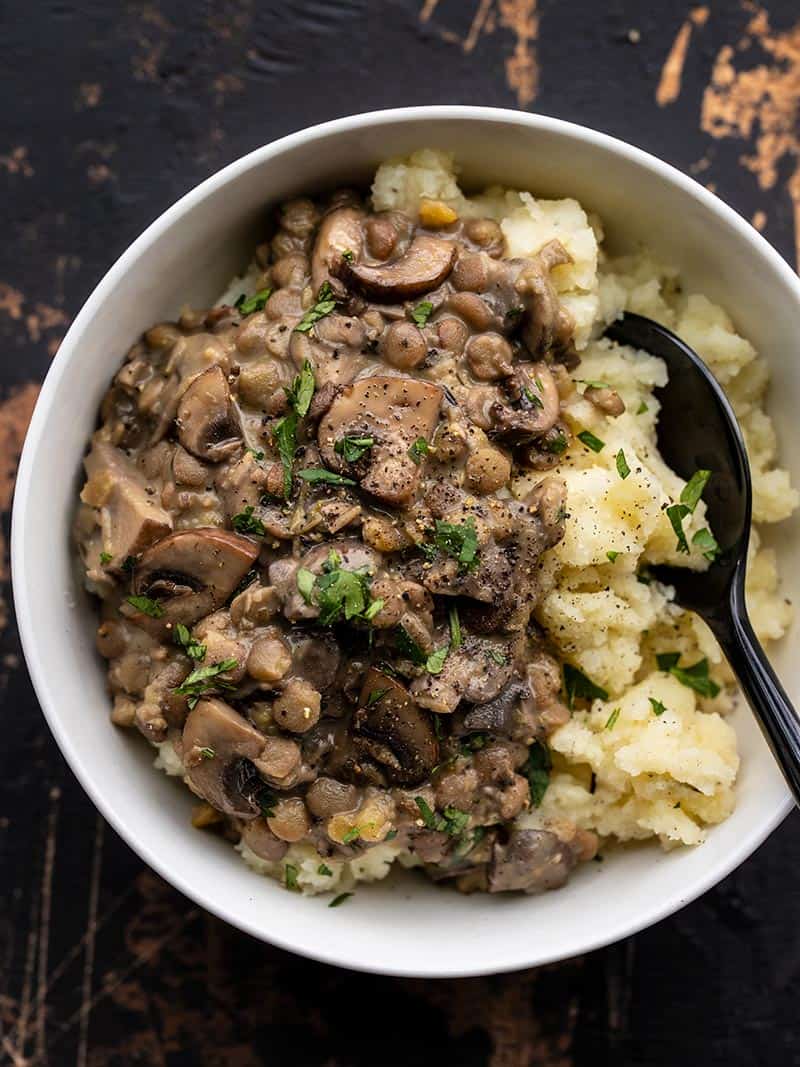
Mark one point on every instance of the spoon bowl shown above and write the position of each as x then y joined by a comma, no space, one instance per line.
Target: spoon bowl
697,430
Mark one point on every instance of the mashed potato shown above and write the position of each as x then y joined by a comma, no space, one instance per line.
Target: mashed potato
620,768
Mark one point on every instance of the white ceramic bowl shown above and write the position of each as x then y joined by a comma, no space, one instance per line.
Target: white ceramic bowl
189,254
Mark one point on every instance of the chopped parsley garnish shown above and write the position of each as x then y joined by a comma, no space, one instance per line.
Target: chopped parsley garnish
435,661
532,398
105,557
147,606
676,513
642,408
207,752
324,305
695,677
537,771
352,835
284,432
555,444
319,474
657,706
246,305
325,870
578,686
348,255
455,627
690,497
693,490
374,696
612,719
451,821
419,449
290,876
705,541
340,595
612,556
256,453
129,564
183,638
340,899
266,800
474,743
391,835
623,470
248,523
591,441
498,657
459,540
204,679
301,390
592,384
422,312
353,448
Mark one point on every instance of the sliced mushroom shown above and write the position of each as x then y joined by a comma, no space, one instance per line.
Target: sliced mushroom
394,412
531,405
424,265
260,839
531,860
389,729
193,572
339,232
547,325
130,519
475,672
218,748
208,425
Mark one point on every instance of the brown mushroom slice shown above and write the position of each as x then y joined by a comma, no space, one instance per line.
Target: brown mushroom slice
547,324
192,572
424,265
208,425
532,861
218,748
532,403
394,412
339,232
130,519
475,672
389,729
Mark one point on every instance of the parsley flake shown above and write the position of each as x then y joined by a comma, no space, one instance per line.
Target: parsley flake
374,696
612,556
455,627
419,449
352,835
705,541
324,305
248,523
623,470
183,638
578,686
694,488
204,679
611,721
642,408
353,448
315,475
695,677
591,441
537,771
340,899
657,706
246,305
207,752
147,606
676,513
435,661
290,876
422,312
325,870
459,540
105,557
340,595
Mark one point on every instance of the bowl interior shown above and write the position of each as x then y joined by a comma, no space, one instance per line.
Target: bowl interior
188,256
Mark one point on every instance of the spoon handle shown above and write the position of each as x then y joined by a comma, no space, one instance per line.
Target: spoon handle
765,694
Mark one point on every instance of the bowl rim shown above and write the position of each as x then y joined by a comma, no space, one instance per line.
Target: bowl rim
80,762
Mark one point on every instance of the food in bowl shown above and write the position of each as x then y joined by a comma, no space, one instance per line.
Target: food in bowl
371,539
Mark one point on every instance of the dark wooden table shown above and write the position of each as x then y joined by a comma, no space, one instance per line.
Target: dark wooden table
111,111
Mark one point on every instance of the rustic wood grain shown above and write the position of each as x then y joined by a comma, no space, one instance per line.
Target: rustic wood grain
114,110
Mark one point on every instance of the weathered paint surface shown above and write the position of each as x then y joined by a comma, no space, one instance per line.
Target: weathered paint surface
118,109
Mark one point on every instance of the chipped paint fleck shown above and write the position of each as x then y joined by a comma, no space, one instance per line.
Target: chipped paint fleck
760,100
15,414
89,94
16,162
669,86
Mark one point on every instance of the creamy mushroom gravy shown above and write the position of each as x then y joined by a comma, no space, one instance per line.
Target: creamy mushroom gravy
314,581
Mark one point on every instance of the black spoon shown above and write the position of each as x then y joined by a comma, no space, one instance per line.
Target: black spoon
697,430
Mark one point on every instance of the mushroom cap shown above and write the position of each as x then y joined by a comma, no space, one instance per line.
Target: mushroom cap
395,411
533,403
195,571
393,731
531,860
226,778
423,266
340,231
208,425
